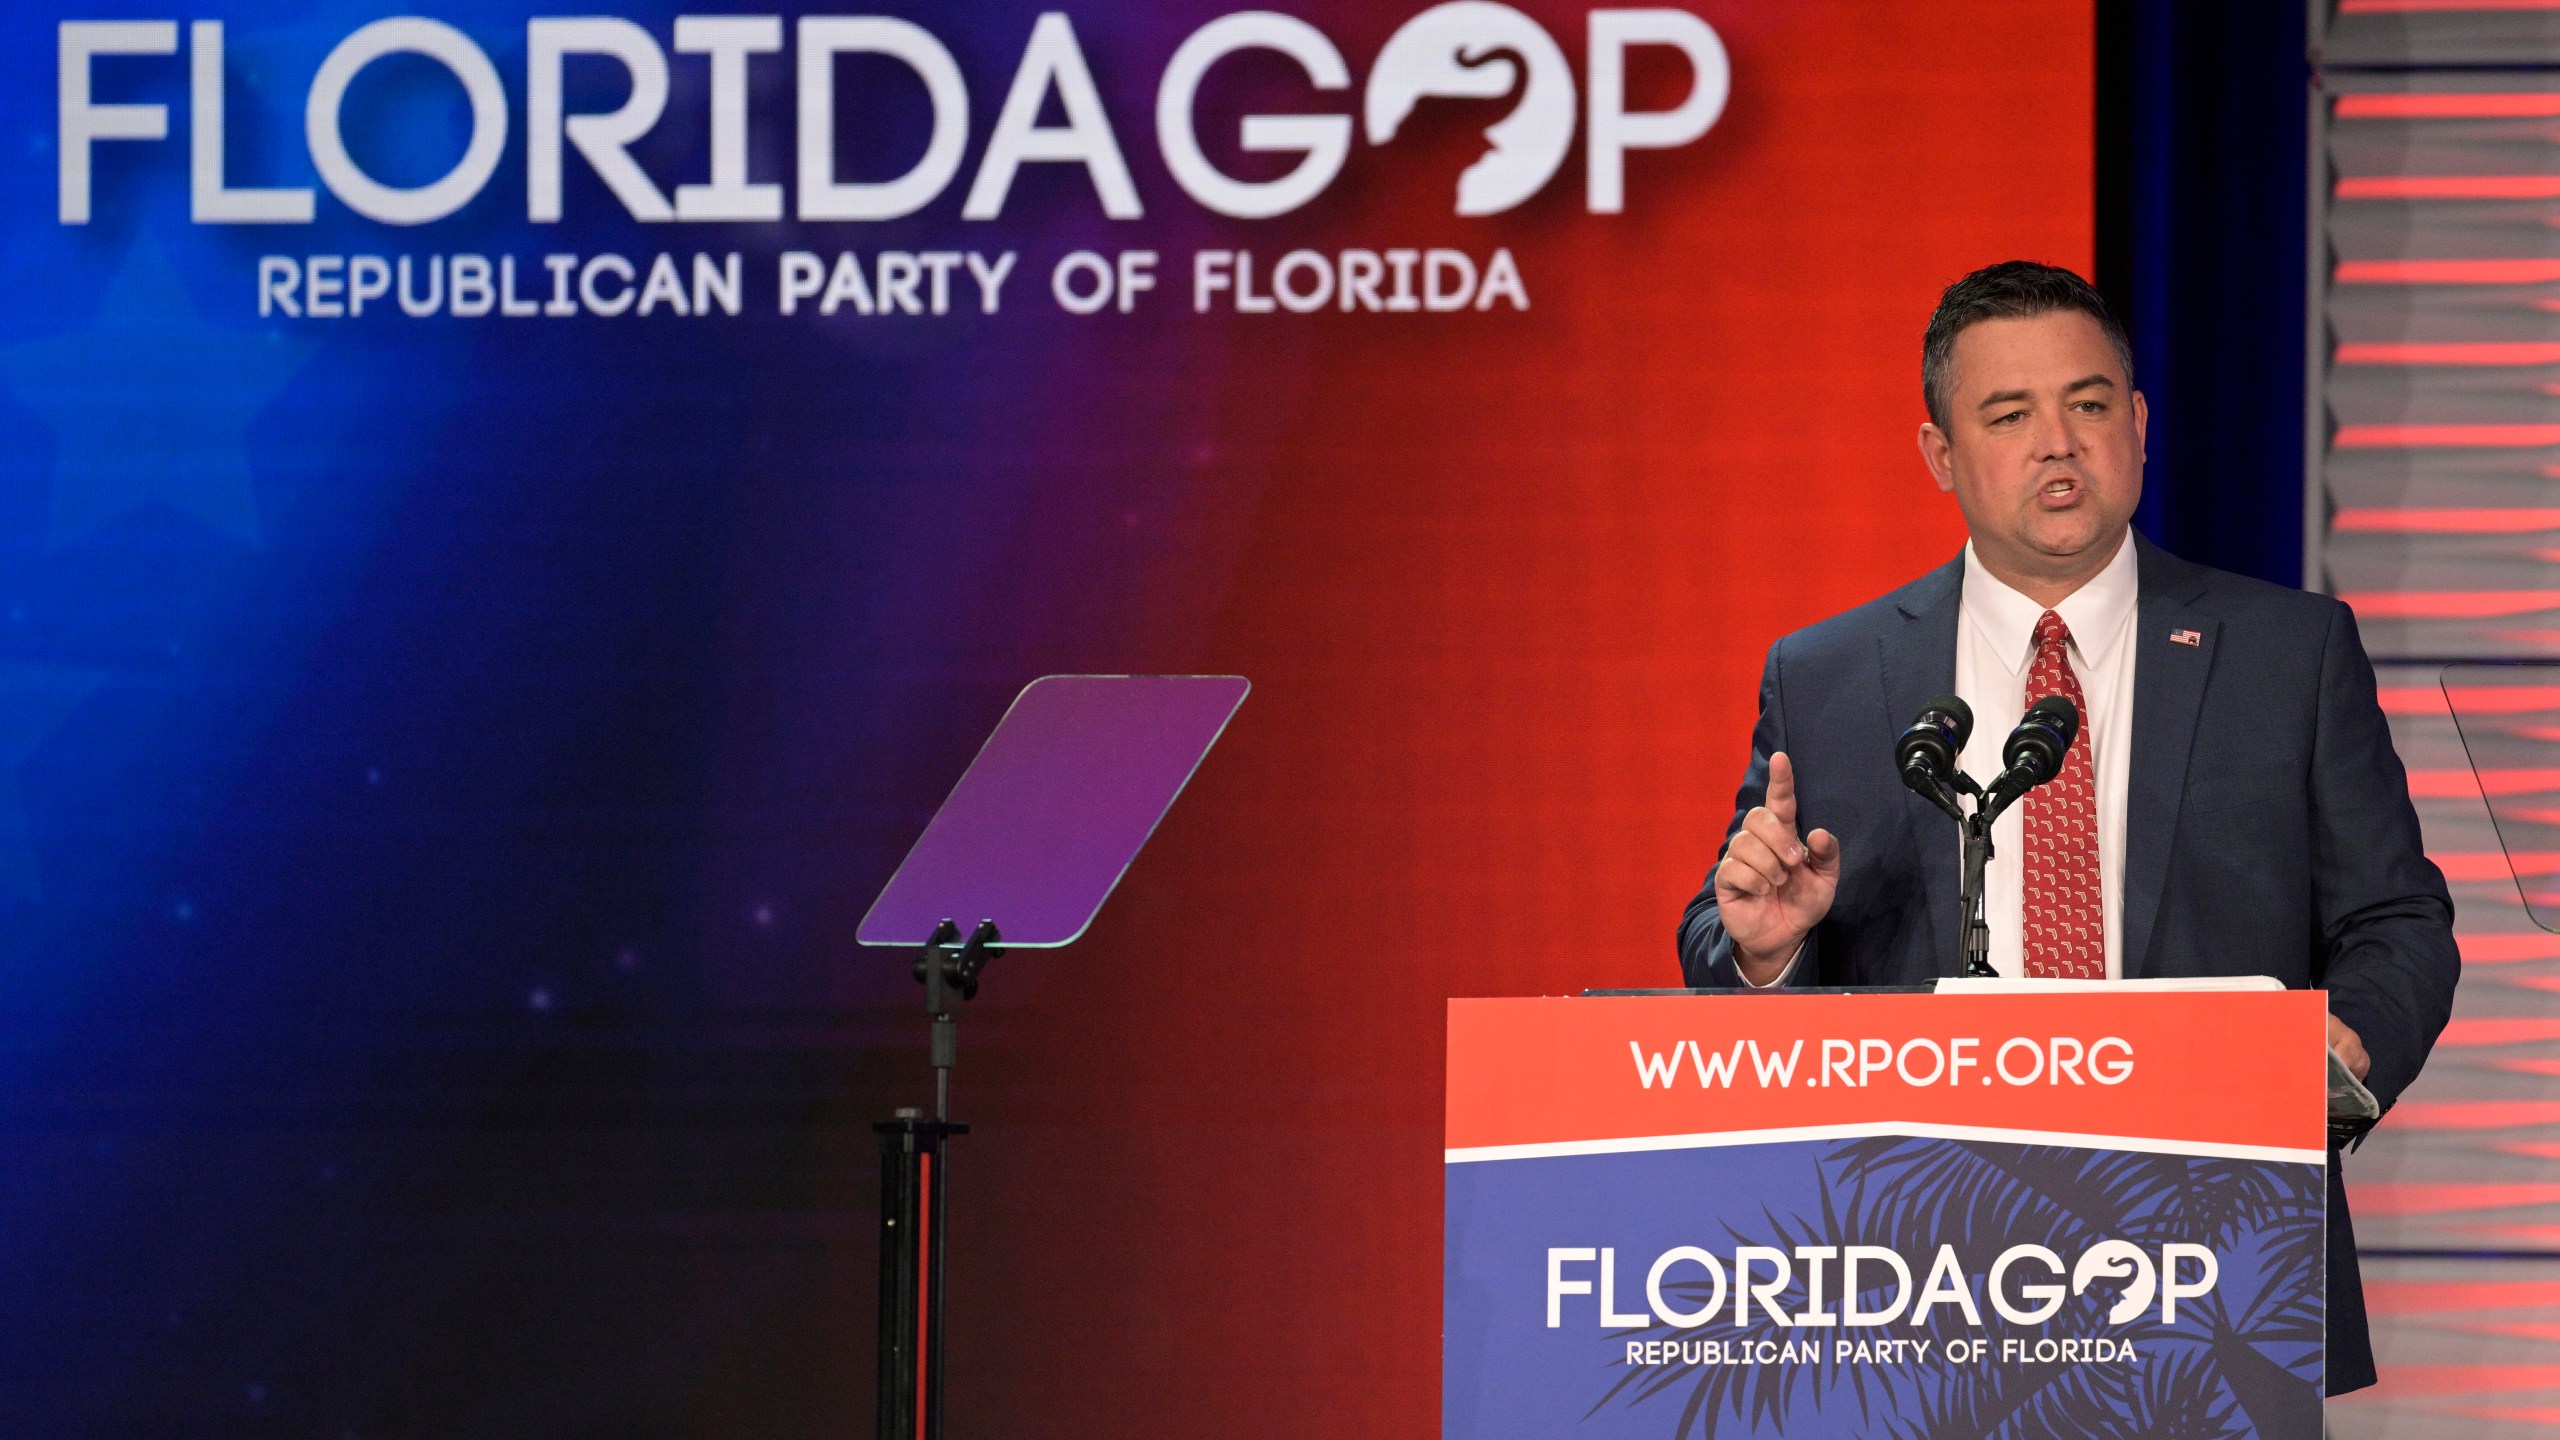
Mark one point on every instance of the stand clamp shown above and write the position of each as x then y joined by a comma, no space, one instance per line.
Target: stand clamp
949,965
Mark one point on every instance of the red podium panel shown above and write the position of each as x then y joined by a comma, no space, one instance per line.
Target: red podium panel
1886,1214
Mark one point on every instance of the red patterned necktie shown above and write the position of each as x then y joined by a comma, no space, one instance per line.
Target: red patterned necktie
2066,927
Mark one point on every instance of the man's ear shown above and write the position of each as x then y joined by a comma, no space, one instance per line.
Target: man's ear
2141,428
1939,455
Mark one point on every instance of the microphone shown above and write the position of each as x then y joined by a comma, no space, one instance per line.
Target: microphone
2034,750
1926,753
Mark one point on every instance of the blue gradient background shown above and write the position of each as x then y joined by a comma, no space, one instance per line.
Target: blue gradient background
442,762
449,765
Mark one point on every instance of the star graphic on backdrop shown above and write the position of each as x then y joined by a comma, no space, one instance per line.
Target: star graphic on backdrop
150,405
34,701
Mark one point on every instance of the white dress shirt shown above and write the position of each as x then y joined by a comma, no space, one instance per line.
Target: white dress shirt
1995,644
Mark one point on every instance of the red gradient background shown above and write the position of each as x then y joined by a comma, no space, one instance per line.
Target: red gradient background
1504,605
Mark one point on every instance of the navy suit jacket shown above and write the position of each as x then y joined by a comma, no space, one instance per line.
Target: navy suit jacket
2268,829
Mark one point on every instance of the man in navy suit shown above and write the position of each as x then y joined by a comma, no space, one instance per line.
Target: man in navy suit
2232,805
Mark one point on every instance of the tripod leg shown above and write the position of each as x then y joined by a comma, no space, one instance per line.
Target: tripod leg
914,1202
901,1174
936,1208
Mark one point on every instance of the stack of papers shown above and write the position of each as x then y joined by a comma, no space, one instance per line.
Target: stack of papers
2348,1099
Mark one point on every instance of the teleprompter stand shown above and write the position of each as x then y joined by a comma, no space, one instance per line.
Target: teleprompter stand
1039,830
913,1210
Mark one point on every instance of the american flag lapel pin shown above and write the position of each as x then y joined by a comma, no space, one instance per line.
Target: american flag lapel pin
2185,637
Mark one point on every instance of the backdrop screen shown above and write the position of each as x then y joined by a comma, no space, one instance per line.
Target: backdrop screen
510,523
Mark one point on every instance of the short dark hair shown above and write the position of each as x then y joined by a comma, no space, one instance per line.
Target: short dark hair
2010,290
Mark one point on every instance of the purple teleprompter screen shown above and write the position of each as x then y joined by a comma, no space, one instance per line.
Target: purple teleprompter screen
1061,797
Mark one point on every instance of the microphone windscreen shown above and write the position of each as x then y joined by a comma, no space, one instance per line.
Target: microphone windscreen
1953,707
2044,734
2060,713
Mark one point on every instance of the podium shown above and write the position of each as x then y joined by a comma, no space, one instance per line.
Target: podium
2085,1212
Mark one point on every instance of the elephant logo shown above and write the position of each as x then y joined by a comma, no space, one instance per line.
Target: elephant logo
1476,50
2118,1260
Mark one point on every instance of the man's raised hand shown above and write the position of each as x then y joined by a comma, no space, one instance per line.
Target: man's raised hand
1774,886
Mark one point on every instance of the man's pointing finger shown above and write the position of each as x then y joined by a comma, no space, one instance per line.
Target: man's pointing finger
1782,789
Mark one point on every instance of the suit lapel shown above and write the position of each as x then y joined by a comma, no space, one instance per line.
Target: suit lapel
1919,656
2168,693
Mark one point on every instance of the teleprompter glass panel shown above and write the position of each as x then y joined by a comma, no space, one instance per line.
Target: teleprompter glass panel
2509,716
1057,804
